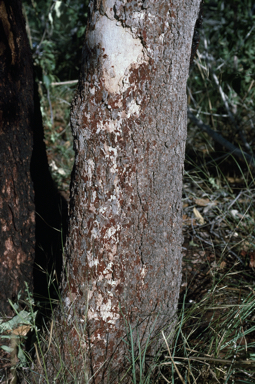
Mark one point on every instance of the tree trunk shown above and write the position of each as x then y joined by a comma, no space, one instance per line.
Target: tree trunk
123,253
17,211
26,185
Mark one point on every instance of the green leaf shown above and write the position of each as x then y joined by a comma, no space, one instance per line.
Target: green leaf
5,336
81,31
7,349
46,81
22,356
23,317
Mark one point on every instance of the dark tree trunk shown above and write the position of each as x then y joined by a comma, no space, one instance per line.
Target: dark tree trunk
17,210
129,125
26,185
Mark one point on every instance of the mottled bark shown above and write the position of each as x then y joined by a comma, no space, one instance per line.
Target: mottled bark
129,126
17,213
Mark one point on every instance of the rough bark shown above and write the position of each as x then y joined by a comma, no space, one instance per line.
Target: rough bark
17,211
125,233
26,185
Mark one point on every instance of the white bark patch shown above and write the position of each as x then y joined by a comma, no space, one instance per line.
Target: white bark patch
8,246
67,302
91,260
110,126
90,166
143,273
108,8
133,108
111,231
104,310
120,48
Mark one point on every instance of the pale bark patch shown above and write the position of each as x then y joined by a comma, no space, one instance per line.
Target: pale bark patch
120,48
8,246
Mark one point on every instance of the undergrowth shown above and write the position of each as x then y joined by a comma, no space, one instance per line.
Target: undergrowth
214,338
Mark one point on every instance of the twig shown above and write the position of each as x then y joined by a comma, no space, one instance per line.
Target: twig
205,241
205,113
233,202
69,82
175,366
227,247
222,361
65,82
51,110
165,378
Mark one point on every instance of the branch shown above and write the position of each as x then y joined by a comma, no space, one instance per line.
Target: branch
225,102
65,82
219,139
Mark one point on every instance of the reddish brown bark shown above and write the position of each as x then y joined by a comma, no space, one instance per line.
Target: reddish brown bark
17,215
129,126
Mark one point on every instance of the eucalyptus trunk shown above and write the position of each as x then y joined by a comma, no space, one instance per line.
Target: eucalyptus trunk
129,117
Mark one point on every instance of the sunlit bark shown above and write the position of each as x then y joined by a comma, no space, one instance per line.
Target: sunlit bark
125,231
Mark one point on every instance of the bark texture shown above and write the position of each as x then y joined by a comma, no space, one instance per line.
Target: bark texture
26,185
17,211
125,232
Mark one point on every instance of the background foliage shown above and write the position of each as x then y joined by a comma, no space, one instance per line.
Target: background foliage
56,31
226,53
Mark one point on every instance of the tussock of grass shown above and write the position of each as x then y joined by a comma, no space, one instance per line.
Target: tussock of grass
215,338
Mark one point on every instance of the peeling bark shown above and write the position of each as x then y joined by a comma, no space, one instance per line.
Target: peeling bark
17,214
125,231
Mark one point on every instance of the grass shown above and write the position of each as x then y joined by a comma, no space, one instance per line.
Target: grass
214,338
213,341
